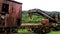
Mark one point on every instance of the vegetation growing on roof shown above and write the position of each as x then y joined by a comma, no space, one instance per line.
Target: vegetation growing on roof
35,17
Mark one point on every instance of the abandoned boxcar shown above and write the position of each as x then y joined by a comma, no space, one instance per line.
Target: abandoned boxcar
10,14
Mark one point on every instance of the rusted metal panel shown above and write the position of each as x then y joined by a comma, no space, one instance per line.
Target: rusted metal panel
16,10
1,1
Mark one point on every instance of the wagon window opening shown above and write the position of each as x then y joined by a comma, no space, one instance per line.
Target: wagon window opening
5,8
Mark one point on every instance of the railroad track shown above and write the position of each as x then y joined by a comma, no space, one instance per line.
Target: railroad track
23,24
30,25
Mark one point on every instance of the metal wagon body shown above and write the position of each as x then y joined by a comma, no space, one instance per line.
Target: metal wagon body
10,15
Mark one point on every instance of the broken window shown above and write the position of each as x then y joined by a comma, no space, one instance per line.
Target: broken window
5,8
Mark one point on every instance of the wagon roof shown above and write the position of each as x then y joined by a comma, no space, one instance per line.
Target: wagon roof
15,1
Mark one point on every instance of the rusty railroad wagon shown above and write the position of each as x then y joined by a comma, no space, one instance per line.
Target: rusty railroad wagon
52,21
10,15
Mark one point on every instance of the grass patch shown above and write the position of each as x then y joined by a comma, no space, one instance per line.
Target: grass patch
25,31
54,32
